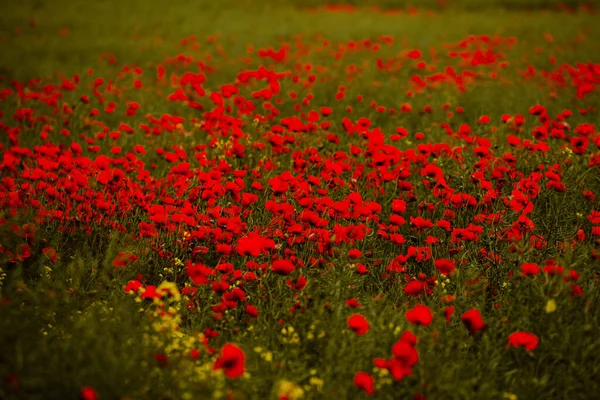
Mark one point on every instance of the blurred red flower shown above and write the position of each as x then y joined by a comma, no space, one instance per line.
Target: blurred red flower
419,315
414,288
232,360
124,258
88,393
445,267
365,382
527,340
282,267
358,324
473,321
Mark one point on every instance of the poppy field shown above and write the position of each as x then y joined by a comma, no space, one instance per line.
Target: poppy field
300,200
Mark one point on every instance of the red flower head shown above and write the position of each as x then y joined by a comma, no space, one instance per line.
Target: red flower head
405,356
354,254
254,245
523,339
398,206
419,223
409,337
365,382
484,120
445,267
530,269
283,267
353,303
405,353
326,111
251,310
232,361
358,324
88,393
419,315
50,253
124,258
414,288
473,321
448,311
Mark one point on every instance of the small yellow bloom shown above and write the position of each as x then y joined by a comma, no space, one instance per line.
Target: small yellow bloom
316,382
289,389
551,306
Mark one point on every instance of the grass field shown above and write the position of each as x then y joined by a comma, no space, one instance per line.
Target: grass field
295,199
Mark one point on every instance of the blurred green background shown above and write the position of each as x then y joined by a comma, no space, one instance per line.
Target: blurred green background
44,37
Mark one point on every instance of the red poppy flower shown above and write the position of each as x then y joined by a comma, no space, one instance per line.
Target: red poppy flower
433,171
445,267
530,269
88,393
414,288
358,324
527,340
124,258
414,54
397,238
29,231
254,245
408,337
23,251
594,217
405,352
396,368
514,140
484,120
398,206
198,272
232,361
420,223
448,311
579,144
161,359
326,111
405,356
354,254
133,286
520,203
397,220
353,303
365,382
473,321
361,269
282,267
419,315
50,253
299,284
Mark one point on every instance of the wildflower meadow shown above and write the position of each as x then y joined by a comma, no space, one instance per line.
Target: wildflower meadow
286,199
